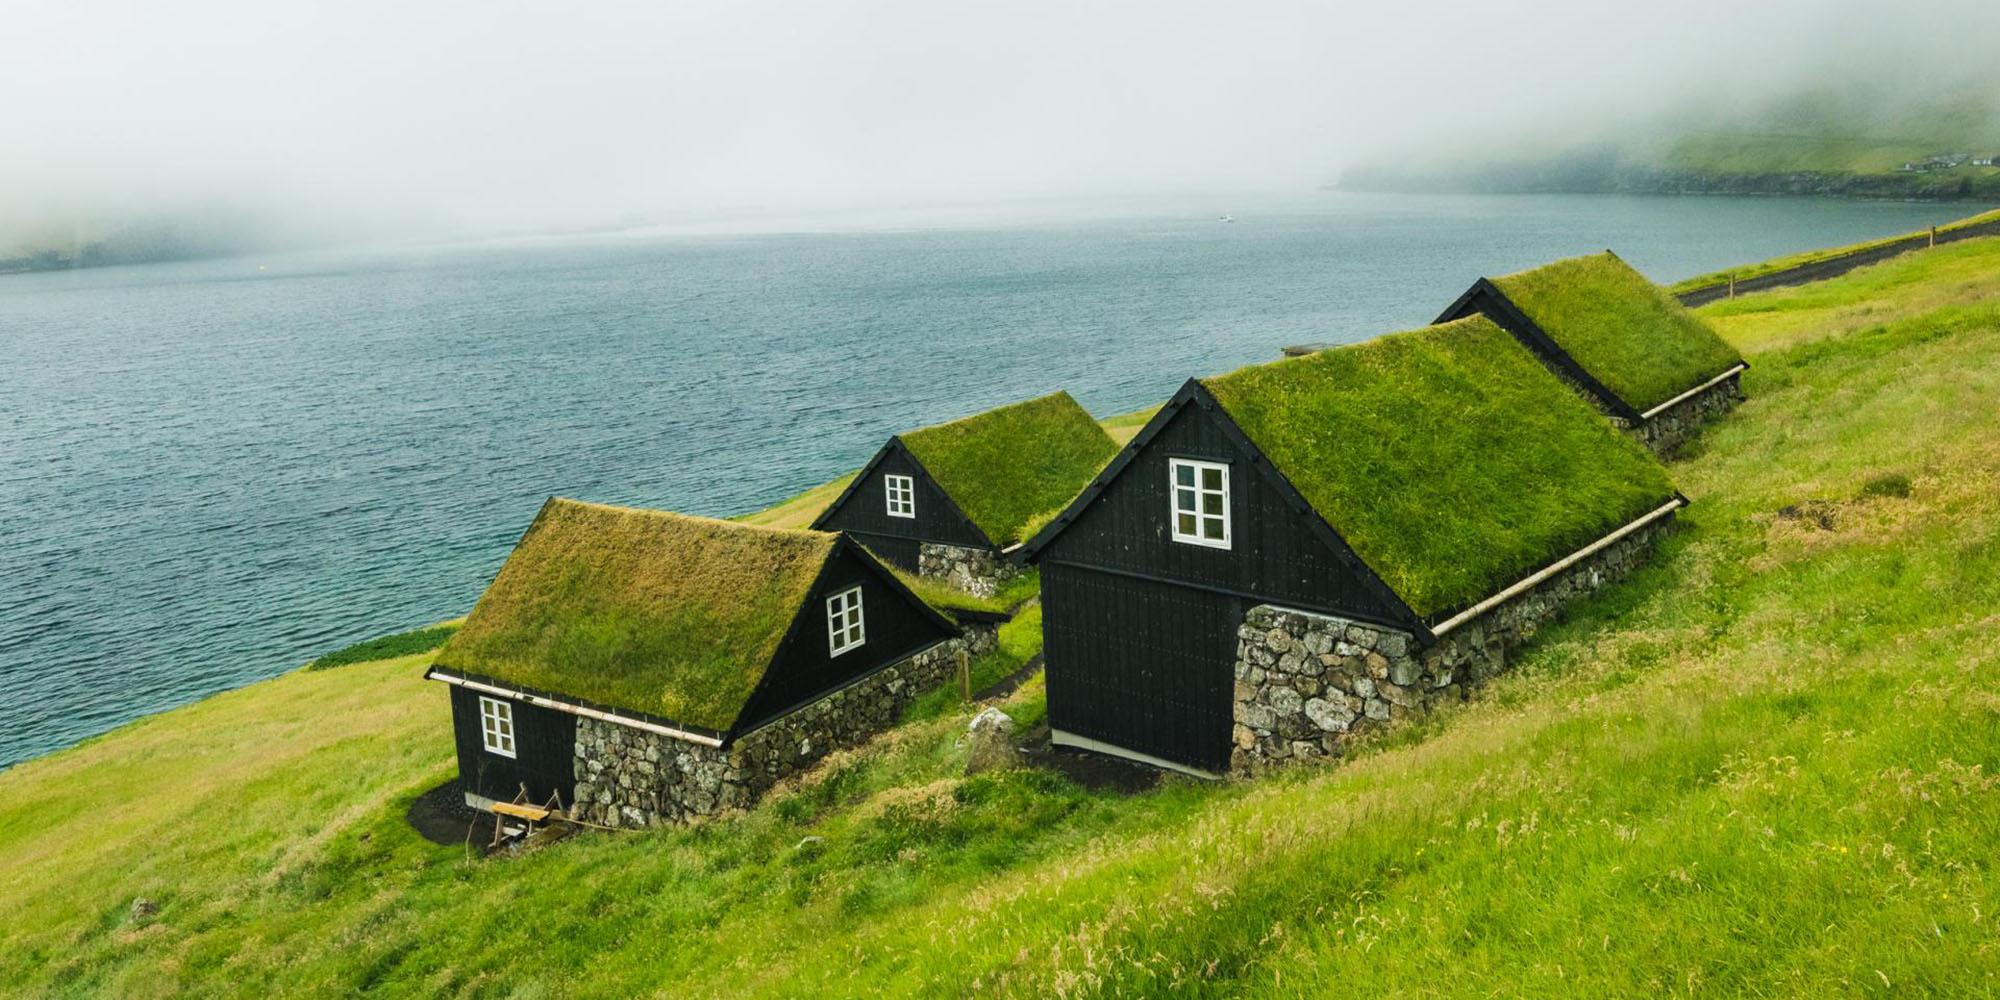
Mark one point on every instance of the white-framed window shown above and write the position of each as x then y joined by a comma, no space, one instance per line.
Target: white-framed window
843,621
902,495
1200,502
496,725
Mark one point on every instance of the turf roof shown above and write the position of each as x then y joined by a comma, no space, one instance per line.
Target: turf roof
649,611
1005,466
1449,459
1625,331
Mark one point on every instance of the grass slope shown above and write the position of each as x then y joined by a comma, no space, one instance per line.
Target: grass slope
1764,766
643,610
1449,459
1005,466
1621,328
387,647
799,511
1810,256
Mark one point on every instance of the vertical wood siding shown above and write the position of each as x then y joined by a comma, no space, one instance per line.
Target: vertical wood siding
1141,665
1274,553
802,669
544,752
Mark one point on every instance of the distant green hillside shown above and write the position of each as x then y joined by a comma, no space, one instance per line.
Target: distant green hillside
1767,765
1857,142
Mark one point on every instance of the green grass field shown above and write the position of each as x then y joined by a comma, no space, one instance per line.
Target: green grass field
1766,765
1811,256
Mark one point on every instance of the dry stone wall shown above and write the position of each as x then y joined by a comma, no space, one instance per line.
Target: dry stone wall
1670,429
627,777
1306,682
975,571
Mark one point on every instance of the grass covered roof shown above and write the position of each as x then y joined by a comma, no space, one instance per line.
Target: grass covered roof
1005,466
1449,459
649,611
1621,328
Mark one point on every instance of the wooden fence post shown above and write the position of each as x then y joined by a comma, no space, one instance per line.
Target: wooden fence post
964,676
1732,284
1933,236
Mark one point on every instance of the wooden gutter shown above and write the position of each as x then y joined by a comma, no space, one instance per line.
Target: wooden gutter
1567,561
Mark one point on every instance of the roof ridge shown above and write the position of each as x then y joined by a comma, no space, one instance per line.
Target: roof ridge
718,522
987,414
1414,333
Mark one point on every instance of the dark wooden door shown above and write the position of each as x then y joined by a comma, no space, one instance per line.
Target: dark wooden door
1140,664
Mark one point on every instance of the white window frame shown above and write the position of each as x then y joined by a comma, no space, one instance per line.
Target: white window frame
846,627
902,495
496,726
1176,492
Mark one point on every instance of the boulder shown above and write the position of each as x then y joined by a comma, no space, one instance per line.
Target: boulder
991,741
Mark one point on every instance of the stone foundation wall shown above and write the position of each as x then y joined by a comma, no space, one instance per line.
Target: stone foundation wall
975,571
628,777
1305,682
1670,429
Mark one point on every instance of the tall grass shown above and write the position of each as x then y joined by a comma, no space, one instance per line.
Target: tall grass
1763,766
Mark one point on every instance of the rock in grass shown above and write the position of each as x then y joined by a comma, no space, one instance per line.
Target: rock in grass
992,737
143,908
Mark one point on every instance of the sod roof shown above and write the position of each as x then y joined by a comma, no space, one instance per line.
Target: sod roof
668,614
1621,328
1005,466
1450,460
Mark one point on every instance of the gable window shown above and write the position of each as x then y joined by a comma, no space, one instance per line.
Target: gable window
843,621
1200,501
902,496
496,726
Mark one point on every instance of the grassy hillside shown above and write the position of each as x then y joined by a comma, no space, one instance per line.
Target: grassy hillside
1852,139
1767,765
1853,130
1811,256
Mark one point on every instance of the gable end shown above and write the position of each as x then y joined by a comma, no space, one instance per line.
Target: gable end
1314,571
802,671
938,516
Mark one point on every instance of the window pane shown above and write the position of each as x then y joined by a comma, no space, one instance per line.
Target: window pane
1211,503
1212,528
1211,479
1184,475
1184,500
1187,524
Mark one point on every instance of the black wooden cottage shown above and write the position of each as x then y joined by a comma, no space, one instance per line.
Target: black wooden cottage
641,667
1623,343
949,501
1289,551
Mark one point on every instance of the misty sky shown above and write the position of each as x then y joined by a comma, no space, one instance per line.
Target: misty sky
504,113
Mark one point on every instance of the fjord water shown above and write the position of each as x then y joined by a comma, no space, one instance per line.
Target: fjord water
210,472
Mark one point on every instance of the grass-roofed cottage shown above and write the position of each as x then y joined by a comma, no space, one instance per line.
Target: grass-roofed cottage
950,501
1620,341
1291,550
639,667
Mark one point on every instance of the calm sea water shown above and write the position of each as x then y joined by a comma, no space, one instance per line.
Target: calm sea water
211,472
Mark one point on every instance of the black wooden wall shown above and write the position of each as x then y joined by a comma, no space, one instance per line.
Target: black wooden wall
894,626
865,513
1274,554
544,752
1140,664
